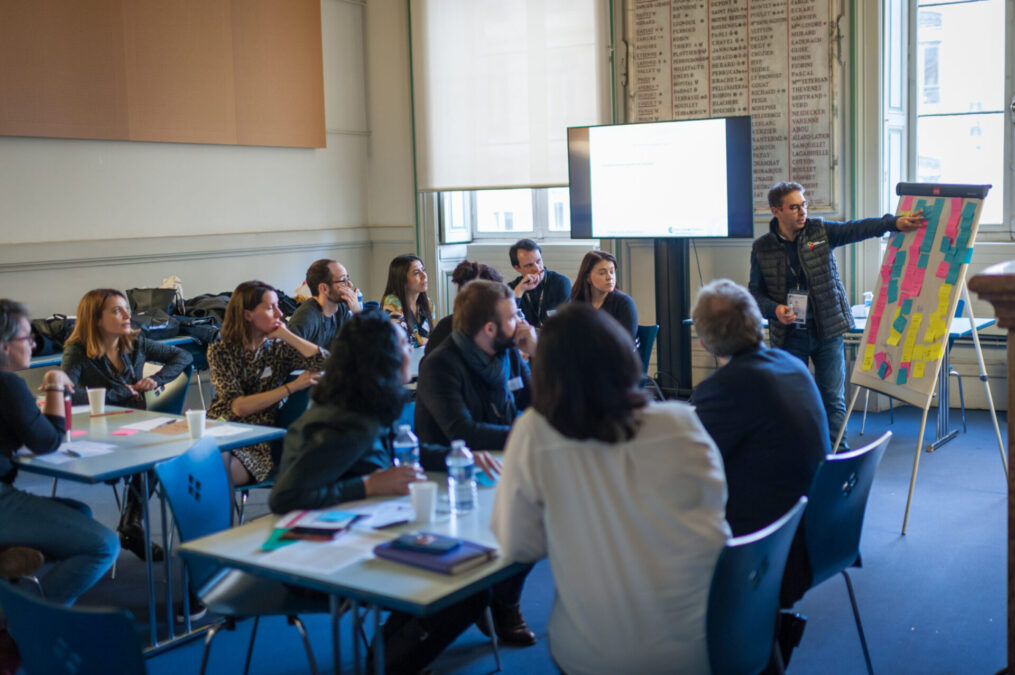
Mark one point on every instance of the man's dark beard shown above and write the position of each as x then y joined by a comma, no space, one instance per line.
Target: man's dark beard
502,342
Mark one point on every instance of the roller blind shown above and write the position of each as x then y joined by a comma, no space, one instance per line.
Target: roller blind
497,83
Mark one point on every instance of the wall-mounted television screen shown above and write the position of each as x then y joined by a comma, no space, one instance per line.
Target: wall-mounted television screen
685,178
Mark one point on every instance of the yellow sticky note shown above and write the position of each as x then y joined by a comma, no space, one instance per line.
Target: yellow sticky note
914,327
918,368
868,357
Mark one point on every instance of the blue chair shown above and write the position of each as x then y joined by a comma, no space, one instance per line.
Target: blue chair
295,405
743,602
834,518
170,397
54,639
645,340
197,488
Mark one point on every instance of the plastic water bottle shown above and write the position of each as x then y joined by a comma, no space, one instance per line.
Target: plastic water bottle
406,447
359,297
461,478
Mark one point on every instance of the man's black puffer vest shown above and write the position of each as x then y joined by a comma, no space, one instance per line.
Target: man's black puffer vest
826,296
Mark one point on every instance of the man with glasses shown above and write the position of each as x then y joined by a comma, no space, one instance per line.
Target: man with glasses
538,291
795,280
335,301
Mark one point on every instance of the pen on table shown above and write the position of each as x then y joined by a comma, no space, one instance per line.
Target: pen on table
72,453
115,412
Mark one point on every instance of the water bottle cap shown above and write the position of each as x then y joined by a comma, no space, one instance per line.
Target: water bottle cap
404,427
456,444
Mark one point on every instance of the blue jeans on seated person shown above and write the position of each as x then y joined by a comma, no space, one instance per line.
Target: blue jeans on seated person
66,534
829,371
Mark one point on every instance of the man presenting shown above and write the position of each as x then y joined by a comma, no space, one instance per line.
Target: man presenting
538,290
319,319
795,280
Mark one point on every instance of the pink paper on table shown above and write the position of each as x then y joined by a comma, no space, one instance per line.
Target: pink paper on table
78,432
125,432
952,228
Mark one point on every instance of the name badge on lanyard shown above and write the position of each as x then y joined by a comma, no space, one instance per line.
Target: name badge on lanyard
797,301
515,383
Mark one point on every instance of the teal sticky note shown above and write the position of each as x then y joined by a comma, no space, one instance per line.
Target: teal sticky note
902,376
883,369
893,290
923,261
907,306
898,239
900,323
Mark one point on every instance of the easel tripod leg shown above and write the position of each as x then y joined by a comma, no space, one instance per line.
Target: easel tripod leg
983,378
849,412
916,466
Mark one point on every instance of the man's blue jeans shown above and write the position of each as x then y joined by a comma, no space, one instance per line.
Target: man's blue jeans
829,372
81,547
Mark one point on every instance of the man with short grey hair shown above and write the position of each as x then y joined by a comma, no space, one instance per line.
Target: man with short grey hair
763,409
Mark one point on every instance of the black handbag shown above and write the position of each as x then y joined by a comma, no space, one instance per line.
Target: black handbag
50,334
161,299
155,324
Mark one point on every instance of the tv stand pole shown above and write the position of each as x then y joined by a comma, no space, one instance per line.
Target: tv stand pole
673,305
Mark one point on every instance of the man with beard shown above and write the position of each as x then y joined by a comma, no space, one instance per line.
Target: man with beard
472,387
319,319
538,291
475,383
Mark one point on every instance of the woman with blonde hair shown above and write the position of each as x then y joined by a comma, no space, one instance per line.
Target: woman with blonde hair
250,368
104,351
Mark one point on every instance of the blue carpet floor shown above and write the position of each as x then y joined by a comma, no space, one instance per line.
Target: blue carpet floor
932,601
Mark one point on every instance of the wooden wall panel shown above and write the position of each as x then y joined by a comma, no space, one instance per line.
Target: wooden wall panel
198,71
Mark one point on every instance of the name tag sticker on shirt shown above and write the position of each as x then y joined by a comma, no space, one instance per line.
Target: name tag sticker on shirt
266,372
515,383
797,302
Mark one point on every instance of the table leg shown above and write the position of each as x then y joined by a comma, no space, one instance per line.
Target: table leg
149,568
378,643
167,562
357,666
335,605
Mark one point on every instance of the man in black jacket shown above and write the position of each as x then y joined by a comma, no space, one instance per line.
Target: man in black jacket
538,290
476,382
471,388
793,267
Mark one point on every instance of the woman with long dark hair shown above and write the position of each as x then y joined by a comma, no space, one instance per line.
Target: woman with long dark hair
104,351
341,449
62,529
626,498
596,284
405,298
250,369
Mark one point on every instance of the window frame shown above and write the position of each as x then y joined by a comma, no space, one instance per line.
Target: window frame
540,205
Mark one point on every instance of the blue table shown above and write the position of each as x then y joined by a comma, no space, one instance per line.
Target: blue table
136,455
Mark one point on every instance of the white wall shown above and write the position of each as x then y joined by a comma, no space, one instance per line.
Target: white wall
77,214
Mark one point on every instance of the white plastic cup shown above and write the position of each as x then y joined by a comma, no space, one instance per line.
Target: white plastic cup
97,400
423,494
195,423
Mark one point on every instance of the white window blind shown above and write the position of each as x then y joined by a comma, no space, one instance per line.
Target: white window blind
497,83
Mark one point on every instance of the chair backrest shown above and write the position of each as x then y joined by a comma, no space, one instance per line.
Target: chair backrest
838,501
197,487
646,339
743,602
295,405
54,639
170,397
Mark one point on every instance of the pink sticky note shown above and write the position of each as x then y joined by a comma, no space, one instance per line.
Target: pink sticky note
942,269
125,432
952,228
907,204
78,432
879,358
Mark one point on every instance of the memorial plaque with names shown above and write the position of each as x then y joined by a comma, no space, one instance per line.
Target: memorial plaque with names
770,59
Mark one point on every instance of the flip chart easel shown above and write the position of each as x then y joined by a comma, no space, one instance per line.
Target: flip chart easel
922,276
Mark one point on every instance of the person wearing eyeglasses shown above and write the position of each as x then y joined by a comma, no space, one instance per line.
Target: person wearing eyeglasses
538,291
319,319
795,280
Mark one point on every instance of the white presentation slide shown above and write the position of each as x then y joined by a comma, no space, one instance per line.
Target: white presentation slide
637,172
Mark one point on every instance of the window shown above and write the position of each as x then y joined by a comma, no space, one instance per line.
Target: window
960,134
537,213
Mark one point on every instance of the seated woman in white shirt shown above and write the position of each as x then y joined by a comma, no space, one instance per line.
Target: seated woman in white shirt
626,498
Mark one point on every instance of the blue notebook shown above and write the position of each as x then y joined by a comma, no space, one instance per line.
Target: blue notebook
460,559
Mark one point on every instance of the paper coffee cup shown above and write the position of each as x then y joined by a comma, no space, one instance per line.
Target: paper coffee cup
195,423
424,500
97,400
